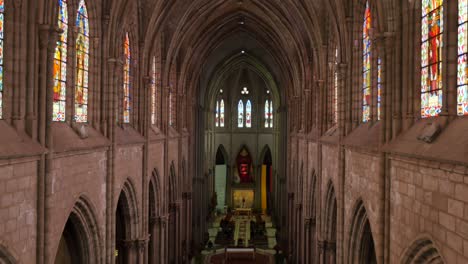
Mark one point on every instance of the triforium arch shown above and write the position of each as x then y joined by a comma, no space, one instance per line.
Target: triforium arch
361,244
330,217
81,239
423,250
5,256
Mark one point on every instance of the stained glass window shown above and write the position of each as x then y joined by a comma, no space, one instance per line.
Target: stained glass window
153,92
248,114
127,84
240,114
432,27
268,114
379,86
271,114
217,114
335,90
366,67
2,26
221,113
462,95
82,64
60,65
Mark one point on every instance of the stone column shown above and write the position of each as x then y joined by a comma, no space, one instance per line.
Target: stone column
140,248
321,249
330,251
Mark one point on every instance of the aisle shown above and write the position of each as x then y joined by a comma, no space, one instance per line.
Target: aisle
242,230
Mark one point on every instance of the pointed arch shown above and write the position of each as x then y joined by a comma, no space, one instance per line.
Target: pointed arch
263,154
222,156
361,241
155,193
129,205
423,250
81,234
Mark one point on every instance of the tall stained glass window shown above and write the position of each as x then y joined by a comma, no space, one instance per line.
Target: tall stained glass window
432,28
221,113
335,90
462,95
366,65
60,65
271,114
217,114
153,92
82,64
126,81
248,114
268,114
2,26
379,86
240,114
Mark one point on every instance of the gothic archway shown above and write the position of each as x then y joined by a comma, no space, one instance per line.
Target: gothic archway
126,225
79,242
361,246
154,221
329,244
422,250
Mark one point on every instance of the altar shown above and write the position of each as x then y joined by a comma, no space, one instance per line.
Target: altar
243,211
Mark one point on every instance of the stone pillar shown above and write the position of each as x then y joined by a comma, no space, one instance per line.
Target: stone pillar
321,249
140,248
331,252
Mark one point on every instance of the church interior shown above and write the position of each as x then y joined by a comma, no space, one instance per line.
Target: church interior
233,131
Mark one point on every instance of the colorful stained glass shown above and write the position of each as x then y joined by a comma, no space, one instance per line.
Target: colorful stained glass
240,114
267,114
217,114
379,86
60,65
432,27
82,64
271,114
221,113
153,92
2,21
366,64
127,83
462,76
335,91
248,114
